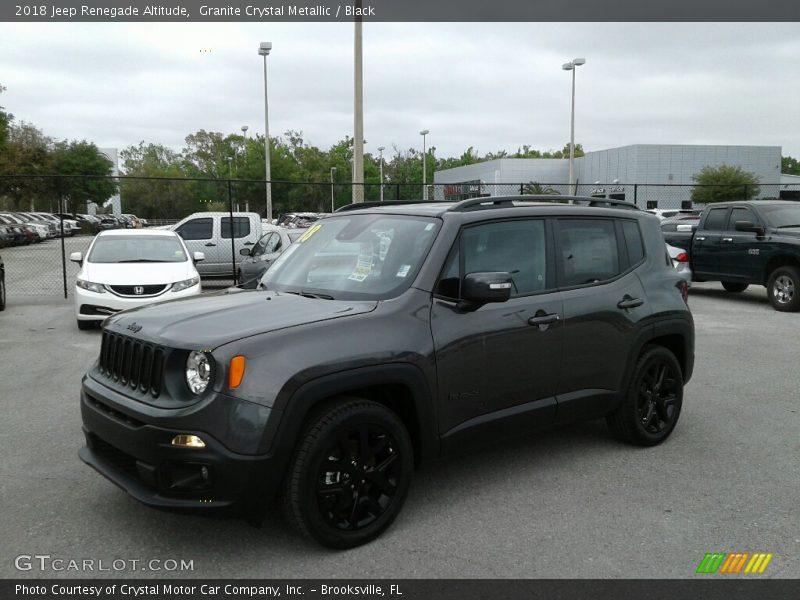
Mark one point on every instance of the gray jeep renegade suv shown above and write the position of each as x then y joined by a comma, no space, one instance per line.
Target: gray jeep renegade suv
386,335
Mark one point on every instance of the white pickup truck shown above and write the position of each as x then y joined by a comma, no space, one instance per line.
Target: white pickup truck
210,233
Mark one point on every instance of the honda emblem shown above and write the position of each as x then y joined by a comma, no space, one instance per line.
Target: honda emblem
138,290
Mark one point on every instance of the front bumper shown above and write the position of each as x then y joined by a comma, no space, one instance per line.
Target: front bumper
91,306
133,450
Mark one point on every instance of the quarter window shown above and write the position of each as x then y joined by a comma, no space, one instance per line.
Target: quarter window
196,229
588,251
633,240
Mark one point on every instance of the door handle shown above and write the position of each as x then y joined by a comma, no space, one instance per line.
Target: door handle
700,238
209,244
727,239
248,243
628,302
544,319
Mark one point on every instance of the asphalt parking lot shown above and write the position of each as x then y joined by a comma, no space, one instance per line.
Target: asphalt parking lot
568,503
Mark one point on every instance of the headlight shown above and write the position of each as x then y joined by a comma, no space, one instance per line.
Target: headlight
88,285
185,284
198,372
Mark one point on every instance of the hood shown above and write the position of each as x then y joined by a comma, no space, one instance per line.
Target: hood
137,273
789,232
211,320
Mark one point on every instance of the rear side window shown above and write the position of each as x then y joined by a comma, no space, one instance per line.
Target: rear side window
587,251
196,229
633,240
241,227
715,220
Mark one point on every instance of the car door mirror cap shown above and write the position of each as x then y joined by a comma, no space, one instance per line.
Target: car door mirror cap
478,289
76,257
198,256
749,226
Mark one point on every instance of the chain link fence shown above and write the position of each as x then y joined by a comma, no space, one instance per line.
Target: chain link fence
43,219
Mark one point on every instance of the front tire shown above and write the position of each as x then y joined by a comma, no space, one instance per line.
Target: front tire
350,474
731,286
652,404
783,289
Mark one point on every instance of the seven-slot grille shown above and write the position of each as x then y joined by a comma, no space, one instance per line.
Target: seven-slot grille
134,363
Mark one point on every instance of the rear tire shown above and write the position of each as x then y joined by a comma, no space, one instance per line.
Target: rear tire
731,286
84,325
652,403
2,293
783,289
350,474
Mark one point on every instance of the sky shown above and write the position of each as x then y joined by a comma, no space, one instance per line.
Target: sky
492,86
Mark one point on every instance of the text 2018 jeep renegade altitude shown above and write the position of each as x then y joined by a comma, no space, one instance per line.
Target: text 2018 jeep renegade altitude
384,336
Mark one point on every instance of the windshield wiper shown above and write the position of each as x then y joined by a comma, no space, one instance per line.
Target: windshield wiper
138,260
311,295
785,226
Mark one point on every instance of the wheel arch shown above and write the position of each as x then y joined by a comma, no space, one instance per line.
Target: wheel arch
781,260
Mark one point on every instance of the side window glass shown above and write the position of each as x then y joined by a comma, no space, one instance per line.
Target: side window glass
449,281
588,251
196,229
715,220
272,243
261,245
241,227
633,240
739,214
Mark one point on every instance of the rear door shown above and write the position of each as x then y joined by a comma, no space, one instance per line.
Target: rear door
706,260
605,306
199,236
740,251
246,230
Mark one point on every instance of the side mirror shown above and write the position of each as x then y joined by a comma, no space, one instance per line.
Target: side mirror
76,257
481,288
198,257
245,251
749,226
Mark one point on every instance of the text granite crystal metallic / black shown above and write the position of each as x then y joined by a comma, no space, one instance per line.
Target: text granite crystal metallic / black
389,334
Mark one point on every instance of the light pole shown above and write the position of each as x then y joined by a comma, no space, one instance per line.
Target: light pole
380,152
572,66
333,172
423,133
263,50
358,114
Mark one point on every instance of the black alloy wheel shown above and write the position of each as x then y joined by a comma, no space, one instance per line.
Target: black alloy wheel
350,475
650,408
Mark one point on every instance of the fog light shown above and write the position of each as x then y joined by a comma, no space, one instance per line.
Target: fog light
188,441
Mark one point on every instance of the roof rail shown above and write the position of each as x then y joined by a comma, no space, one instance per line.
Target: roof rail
498,201
360,205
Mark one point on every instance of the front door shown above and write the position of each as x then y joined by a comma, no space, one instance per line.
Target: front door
740,251
498,366
706,244
198,235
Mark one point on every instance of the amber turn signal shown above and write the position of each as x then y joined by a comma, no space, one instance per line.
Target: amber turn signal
236,372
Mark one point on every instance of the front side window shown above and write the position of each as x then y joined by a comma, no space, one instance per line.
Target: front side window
739,214
588,251
241,227
261,244
516,247
136,249
196,229
368,256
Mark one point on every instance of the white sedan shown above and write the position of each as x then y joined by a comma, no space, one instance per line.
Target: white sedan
126,268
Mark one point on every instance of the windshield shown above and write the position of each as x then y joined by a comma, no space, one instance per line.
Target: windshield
136,248
369,257
782,216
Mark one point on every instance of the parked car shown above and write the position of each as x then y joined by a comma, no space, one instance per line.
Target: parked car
680,260
258,258
455,324
127,269
41,230
747,243
665,213
210,232
2,284
6,236
108,222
